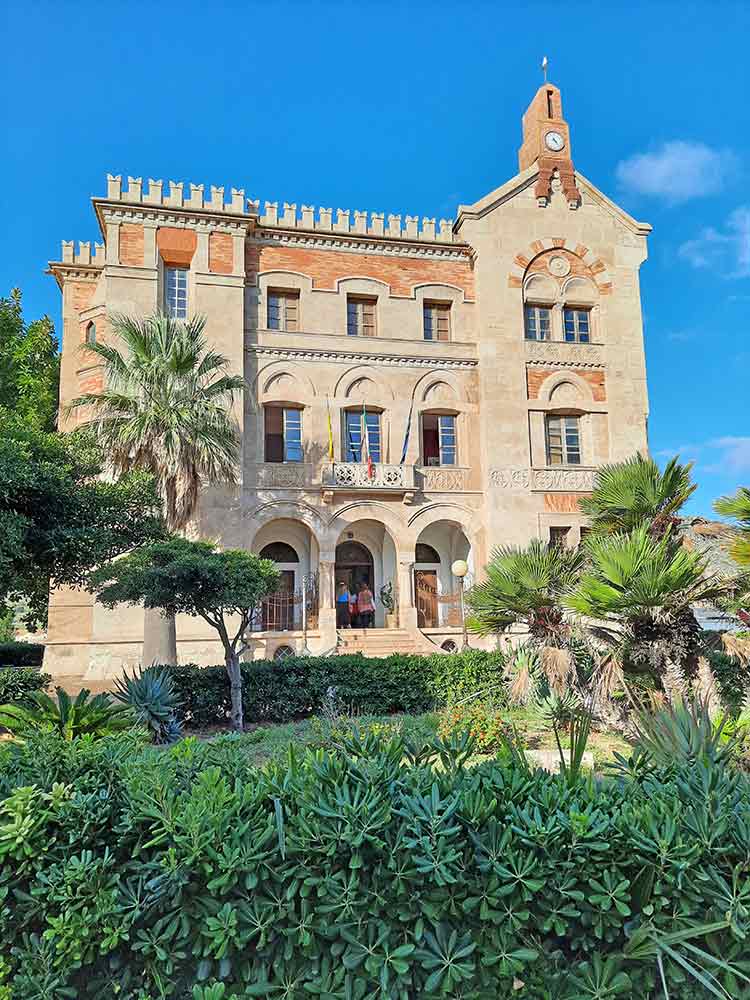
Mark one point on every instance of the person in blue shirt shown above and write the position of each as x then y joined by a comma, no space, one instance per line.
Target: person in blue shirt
343,618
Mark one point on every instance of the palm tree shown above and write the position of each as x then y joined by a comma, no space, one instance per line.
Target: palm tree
738,507
165,408
635,492
637,596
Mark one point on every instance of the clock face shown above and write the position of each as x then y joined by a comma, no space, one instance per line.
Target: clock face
554,141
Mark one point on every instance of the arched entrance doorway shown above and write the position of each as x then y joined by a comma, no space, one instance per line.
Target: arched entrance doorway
278,610
354,566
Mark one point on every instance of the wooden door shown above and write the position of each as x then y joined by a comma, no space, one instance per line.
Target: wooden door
427,598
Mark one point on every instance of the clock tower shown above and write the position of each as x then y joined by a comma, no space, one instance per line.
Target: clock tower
546,143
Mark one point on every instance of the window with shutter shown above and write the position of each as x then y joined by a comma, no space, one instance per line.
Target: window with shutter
563,440
283,310
436,320
360,316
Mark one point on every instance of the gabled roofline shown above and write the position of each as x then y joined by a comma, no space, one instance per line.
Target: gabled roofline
528,177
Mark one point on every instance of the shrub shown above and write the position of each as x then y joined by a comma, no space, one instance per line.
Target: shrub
296,687
18,682
68,717
481,719
21,654
151,872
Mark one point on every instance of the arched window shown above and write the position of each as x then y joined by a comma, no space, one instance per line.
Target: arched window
91,332
425,554
282,652
280,552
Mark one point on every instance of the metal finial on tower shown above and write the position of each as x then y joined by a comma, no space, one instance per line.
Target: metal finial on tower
544,68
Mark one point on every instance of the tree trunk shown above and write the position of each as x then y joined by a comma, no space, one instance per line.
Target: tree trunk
674,682
159,638
232,661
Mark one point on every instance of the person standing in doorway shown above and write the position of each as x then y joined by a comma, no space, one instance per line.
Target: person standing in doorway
343,618
353,608
366,606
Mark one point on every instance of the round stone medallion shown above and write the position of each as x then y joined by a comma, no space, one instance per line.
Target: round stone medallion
559,266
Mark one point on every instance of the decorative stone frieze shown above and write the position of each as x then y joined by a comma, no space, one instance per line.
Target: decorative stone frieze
283,475
443,480
519,480
560,353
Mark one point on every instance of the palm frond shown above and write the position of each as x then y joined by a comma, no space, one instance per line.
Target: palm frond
166,407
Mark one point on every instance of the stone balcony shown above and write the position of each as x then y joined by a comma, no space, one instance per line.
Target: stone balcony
354,477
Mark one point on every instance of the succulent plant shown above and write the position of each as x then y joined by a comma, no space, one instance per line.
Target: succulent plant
152,697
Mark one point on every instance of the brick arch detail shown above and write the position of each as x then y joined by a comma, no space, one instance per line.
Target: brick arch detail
524,258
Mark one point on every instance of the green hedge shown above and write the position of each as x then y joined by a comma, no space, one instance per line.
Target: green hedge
296,687
16,682
21,654
138,873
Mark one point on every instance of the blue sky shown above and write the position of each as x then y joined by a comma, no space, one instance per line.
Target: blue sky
411,108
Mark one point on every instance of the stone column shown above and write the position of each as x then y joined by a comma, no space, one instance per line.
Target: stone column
407,612
159,638
327,609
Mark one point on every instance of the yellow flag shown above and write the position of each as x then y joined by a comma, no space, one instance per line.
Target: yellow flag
330,431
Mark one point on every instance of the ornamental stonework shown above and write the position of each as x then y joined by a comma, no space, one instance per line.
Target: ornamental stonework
539,351
514,480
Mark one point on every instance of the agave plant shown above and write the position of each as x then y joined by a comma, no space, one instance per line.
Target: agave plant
682,733
636,492
151,696
68,717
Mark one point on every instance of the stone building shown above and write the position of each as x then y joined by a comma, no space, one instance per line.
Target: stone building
488,365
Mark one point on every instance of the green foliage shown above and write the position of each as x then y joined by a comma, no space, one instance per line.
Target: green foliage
370,873
636,493
165,408
18,682
69,717
186,577
195,578
58,519
738,507
682,734
481,719
151,695
524,586
298,687
21,654
29,365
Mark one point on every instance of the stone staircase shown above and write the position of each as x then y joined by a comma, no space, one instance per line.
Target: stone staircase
377,641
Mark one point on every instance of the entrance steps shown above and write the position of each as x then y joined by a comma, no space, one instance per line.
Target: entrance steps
377,641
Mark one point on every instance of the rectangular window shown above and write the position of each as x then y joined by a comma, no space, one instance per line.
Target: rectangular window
438,439
558,537
283,310
360,316
577,326
537,322
437,317
283,434
175,292
354,428
563,441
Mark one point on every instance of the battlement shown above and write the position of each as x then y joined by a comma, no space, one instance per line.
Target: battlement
355,223
83,255
175,195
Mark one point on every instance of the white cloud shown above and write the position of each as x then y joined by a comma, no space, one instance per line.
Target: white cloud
720,455
677,170
735,453
726,250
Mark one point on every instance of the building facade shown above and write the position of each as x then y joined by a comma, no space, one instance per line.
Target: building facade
417,392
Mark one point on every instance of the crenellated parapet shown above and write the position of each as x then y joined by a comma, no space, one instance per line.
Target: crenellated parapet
83,255
177,195
356,223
